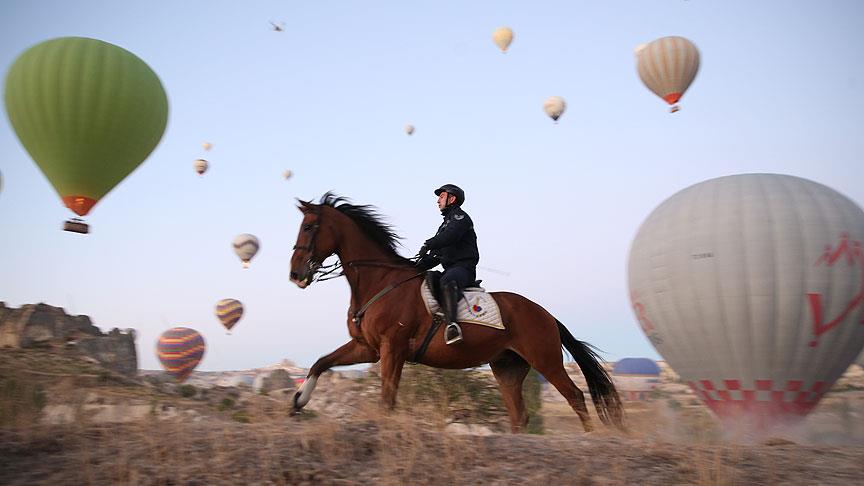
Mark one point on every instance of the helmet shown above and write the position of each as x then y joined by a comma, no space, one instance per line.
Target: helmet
453,190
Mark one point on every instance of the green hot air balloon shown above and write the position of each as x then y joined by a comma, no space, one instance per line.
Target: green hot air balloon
88,112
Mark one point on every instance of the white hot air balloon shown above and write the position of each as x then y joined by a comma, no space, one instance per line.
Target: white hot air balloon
206,145
502,37
201,166
752,288
246,246
667,66
287,174
554,107
409,129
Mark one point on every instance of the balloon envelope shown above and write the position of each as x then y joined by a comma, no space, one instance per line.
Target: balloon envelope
287,174
206,145
201,166
180,350
409,129
502,37
245,246
635,378
229,311
752,288
96,113
667,66
554,107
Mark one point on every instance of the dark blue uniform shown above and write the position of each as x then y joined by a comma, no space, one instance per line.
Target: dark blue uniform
455,247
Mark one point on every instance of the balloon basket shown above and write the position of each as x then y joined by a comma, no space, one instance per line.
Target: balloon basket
674,109
75,225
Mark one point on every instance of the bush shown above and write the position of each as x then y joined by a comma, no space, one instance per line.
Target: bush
532,390
20,401
240,416
226,404
187,391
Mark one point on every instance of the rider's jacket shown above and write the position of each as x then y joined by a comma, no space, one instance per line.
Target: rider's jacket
455,243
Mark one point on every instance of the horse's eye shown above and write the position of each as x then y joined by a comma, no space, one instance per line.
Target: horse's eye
307,227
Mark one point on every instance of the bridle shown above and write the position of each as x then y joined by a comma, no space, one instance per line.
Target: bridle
316,272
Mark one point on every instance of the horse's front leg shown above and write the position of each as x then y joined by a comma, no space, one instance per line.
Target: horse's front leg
349,353
392,360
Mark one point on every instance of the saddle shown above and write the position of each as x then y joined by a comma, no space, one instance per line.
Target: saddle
475,305
433,281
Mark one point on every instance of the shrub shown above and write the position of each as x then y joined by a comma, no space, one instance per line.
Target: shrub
225,404
20,401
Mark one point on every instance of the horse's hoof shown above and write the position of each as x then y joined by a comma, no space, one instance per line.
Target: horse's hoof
295,409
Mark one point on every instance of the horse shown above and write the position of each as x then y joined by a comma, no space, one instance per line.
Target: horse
387,318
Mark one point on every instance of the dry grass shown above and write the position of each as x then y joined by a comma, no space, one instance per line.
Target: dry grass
413,445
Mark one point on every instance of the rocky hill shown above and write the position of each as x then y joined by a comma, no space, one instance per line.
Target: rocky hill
45,326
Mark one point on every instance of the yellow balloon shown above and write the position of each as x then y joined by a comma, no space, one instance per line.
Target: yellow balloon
502,37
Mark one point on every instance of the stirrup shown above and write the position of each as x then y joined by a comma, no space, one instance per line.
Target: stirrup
451,338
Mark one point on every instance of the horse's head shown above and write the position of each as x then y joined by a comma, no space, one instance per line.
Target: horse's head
315,242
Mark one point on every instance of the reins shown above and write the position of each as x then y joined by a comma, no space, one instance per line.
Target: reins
359,313
322,273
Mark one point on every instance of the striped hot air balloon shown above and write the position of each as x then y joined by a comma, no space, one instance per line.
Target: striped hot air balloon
554,107
246,246
752,288
229,311
200,166
667,66
180,350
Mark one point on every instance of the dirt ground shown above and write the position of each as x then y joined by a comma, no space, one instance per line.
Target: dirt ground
163,438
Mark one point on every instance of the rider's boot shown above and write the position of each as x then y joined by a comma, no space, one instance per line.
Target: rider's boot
453,333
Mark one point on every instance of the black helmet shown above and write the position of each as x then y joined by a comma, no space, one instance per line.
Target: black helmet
453,190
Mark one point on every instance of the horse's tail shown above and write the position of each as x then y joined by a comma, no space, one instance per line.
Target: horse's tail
603,392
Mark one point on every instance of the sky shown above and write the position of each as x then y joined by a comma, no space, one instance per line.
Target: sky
780,89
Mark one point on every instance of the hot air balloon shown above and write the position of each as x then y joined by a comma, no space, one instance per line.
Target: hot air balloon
639,49
636,378
200,166
752,288
667,66
287,174
96,113
206,146
229,311
554,106
246,246
409,129
502,37
180,350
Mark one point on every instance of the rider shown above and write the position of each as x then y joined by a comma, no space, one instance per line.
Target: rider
454,246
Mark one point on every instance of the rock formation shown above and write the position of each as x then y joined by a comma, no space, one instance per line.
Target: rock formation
45,326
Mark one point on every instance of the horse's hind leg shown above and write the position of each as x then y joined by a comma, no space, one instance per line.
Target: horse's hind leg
510,371
561,381
550,365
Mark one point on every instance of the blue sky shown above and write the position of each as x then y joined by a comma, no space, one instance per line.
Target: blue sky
780,89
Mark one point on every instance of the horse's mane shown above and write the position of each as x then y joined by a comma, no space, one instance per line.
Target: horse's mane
370,222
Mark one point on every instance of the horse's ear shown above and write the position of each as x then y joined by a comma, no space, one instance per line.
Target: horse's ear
303,206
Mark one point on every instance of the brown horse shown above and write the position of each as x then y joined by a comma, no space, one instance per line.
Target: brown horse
387,319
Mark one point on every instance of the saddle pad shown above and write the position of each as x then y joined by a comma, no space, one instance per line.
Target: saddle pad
478,307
